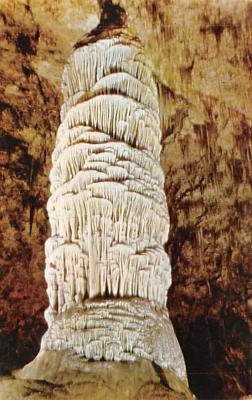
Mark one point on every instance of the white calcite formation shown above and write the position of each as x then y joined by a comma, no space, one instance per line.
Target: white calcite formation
106,268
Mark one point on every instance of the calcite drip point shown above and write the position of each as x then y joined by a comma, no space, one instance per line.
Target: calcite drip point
106,269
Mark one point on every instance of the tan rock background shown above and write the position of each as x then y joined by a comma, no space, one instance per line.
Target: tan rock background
201,52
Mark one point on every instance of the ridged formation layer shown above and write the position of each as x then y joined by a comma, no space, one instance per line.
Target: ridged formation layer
106,268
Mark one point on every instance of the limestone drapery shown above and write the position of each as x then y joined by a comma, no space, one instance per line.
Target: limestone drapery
106,268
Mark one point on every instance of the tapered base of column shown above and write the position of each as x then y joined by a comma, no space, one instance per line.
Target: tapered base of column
69,376
117,330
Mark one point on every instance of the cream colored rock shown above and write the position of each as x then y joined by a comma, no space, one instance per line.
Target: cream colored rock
106,269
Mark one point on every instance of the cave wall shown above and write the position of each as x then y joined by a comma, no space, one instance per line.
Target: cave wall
201,53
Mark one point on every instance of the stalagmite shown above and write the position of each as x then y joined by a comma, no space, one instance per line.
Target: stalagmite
106,268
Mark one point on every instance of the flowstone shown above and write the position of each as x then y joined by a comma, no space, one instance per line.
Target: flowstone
106,268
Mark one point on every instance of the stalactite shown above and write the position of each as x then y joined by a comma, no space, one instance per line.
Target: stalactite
108,212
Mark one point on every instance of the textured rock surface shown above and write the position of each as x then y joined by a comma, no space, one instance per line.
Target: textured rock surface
201,52
107,210
65,377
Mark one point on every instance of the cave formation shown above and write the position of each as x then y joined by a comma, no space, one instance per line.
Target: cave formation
199,54
107,271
